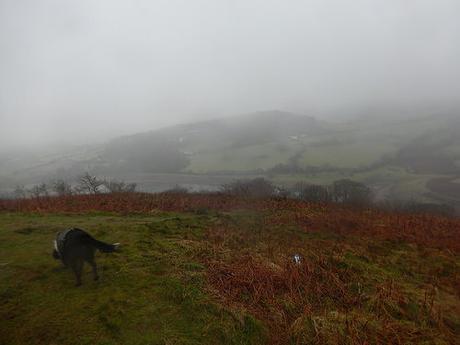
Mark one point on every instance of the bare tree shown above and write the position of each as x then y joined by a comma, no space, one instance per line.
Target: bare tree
257,188
116,186
177,189
131,187
19,192
61,187
351,192
39,190
89,184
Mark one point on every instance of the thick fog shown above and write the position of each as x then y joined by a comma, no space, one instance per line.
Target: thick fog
72,71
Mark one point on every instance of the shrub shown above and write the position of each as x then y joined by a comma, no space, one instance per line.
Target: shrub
351,192
313,193
116,186
256,188
61,187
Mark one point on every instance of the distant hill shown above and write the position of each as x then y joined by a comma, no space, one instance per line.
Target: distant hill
173,149
414,157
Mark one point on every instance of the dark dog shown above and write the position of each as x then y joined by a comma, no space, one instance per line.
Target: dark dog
75,246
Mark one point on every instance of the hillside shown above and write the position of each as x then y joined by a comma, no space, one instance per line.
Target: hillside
399,157
214,269
239,143
170,150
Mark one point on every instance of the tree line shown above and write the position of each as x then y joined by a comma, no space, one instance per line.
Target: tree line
342,191
86,184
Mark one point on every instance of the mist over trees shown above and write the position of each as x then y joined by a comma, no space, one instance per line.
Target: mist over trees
341,191
344,192
62,187
85,184
40,190
117,186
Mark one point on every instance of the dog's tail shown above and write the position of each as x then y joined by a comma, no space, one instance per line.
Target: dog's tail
105,247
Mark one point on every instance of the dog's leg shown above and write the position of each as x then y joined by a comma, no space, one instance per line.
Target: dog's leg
94,266
89,258
77,268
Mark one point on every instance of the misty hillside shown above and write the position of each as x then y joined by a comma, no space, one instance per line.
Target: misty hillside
239,138
266,140
398,157
168,150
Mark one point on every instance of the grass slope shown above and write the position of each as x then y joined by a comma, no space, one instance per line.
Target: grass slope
150,293
203,269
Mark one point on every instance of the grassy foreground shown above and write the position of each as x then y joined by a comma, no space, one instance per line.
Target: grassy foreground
225,275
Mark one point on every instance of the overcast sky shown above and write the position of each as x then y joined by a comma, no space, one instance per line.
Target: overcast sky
85,69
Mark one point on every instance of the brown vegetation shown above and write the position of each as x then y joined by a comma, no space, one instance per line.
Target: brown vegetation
362,276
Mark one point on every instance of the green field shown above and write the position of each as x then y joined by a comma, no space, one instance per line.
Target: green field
346,154
242,159
345,145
